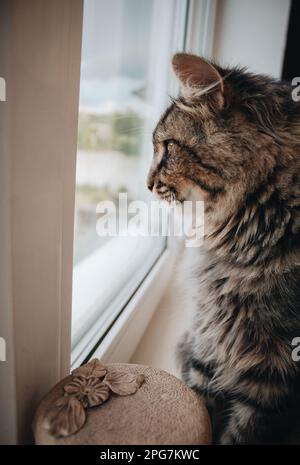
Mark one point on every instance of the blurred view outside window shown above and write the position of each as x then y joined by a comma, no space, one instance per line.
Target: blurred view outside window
114,107
122,92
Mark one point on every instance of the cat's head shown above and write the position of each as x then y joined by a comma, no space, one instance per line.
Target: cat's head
218,138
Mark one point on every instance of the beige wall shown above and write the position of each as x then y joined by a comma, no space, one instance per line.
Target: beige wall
41,45
252,33
8,432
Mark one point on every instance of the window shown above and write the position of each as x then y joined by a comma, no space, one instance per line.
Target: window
126,51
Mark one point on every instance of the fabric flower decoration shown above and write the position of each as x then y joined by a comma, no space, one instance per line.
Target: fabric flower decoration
66,417
90,386
89,391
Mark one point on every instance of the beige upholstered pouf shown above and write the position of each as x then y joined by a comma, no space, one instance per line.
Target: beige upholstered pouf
162,411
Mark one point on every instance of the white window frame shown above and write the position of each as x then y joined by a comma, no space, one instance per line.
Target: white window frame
38,158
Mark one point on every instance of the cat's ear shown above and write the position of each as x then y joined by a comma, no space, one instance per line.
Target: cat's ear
198,78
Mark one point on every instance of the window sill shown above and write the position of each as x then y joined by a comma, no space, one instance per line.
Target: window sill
124,336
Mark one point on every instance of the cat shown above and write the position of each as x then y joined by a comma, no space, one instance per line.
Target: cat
233,139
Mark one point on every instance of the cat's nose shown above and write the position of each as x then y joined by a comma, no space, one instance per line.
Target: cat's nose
150,185
150,180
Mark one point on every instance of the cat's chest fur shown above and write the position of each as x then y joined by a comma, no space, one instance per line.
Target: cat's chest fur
236,315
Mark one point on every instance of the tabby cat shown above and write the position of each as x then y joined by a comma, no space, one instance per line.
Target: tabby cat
233,139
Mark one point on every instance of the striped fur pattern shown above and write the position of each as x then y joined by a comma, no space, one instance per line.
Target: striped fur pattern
237,147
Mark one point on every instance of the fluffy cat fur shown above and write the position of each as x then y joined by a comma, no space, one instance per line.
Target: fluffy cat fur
233,139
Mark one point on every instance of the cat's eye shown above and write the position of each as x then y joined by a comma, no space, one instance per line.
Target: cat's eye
169,143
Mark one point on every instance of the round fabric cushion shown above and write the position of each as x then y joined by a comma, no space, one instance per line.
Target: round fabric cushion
163,411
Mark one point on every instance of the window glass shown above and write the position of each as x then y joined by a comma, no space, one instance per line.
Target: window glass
124,79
